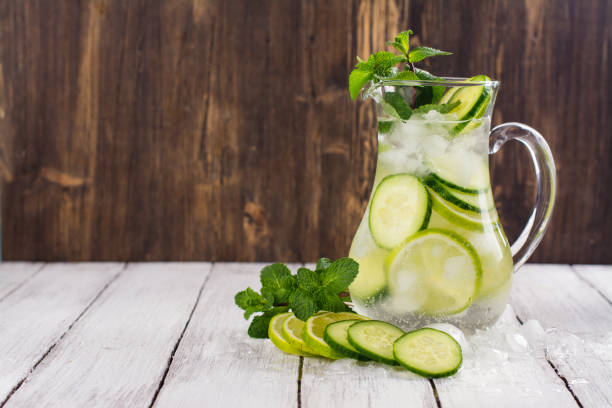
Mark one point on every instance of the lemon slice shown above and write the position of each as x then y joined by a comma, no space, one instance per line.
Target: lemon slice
315,329
291,331
438,266
275,333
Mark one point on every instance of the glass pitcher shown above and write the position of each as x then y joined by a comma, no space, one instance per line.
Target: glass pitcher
430,246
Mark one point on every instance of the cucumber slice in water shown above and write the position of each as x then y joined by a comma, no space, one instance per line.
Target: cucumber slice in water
375,339
463,219
461,171
428,352
336,335
448,196
400,207
439,266
473,102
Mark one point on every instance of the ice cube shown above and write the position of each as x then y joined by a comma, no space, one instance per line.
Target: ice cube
517,342
533,332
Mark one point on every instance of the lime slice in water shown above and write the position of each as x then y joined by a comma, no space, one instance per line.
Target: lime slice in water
438,266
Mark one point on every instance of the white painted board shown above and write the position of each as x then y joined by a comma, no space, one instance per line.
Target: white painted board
15,274
217,364
579,322
117,353
35,316
598,276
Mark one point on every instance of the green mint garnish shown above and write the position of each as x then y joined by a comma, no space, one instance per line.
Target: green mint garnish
420,53
381,65
384,126
402,43
305,293
377,66
398,104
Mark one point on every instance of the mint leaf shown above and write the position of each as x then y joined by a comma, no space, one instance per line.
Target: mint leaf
248,298
384,126
339,275
303,304
307,280
259,326
420,53
437,91
322,264
383,61
252,309
328,300
406,76
357,79
397,102
442,108
268,294
277,277
402,42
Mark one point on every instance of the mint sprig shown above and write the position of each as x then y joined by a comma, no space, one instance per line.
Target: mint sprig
381,65
305,293
378,66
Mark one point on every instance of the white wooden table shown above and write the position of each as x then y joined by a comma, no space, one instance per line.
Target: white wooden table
168,335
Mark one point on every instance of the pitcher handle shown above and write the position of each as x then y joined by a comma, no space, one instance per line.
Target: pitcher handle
546,176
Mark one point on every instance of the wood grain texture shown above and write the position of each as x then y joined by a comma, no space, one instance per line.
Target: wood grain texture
598,276
217,364
345,383
117,353
581,318
34,317
222,130
14,275
575,306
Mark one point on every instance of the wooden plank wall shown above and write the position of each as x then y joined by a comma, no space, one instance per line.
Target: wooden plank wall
222,130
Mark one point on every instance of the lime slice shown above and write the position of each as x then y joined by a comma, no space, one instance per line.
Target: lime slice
371,280
438,266
276,335
315,329
291,331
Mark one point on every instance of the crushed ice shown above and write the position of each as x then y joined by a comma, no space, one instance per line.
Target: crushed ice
504,358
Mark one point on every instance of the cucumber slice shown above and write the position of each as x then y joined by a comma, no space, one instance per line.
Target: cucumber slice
473,102
374,339
464,172
400,207
315,328
428,352
463,219
439,265
483,200
336,335
371,280
451,198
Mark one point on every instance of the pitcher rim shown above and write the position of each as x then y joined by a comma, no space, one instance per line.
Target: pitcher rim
445,81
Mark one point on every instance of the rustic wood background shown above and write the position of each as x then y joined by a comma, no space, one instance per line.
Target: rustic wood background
222,129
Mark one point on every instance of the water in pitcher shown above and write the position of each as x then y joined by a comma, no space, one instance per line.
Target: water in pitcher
430,246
